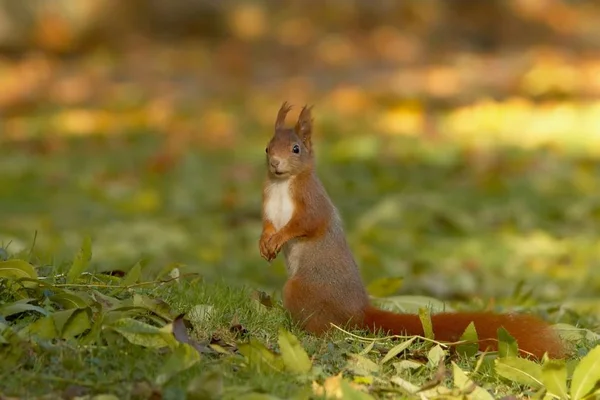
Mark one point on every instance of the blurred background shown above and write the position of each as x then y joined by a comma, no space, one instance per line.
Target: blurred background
459,139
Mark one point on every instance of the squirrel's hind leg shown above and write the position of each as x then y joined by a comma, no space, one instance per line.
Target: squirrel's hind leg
311,310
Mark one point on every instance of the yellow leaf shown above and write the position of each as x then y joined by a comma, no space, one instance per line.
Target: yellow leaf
586,375
184,357
293,355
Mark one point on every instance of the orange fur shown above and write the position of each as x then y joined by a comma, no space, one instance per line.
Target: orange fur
534,336
324,285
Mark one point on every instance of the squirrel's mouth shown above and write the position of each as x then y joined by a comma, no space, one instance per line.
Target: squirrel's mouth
278,173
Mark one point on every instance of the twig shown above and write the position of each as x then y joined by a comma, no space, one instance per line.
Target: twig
395,337
103,285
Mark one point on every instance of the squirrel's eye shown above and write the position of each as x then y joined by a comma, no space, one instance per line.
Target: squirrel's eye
267,150
296,149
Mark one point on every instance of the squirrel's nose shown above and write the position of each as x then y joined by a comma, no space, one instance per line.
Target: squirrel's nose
275,162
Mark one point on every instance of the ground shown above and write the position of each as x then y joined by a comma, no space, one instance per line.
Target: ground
505,229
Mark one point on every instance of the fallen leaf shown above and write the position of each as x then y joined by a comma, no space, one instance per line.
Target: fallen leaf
133,276
507,345
81,261
293,354
143,334
471,346
360,365
68,299
520,370
184,357
586,375
467,386
554,378
180,332
259,357
19,307
236,328
262,298
206,386
78,322
352,392
17,269
394,351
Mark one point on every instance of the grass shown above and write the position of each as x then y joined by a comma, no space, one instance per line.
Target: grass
503,229
124,369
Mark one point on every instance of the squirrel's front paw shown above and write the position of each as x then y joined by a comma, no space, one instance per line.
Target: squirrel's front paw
264,248
270,246
274,245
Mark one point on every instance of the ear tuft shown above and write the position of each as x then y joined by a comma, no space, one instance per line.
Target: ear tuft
283,111
305,124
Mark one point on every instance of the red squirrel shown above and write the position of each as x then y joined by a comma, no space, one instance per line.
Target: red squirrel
324,286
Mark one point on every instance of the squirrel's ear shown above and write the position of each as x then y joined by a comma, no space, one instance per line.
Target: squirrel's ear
304,125
283,110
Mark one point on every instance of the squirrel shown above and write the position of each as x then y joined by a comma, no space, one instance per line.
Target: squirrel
324,285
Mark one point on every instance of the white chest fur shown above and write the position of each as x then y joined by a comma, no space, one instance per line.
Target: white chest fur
279,206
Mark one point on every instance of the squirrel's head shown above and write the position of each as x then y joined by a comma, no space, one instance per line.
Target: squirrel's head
289,151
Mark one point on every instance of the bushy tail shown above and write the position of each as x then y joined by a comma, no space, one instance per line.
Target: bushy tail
534,336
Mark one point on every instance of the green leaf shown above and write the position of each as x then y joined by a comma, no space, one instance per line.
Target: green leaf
261,298
507,345
436,355
157,306
259,357
384,287
293,354
184,357
425,317
394,351
68,299
208,385
14,352
258,396
586,375
19,307
412,304
367,349
167,270
129,312
42,328
471,346
360,365
575,334
78,322
133,276
466,385
93,335
81,261
403,365
61,318
106,302
404,384
554,378
349,393
143,334
105,397
16,269
520,370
